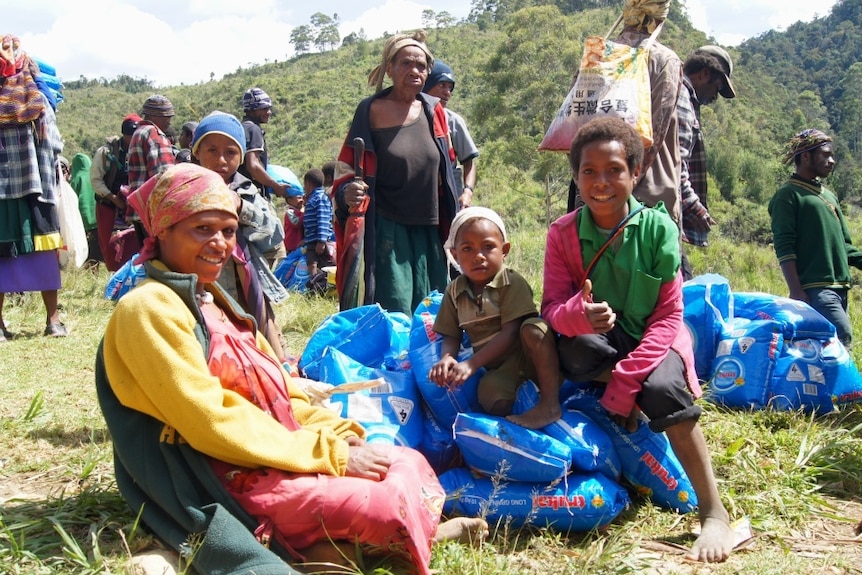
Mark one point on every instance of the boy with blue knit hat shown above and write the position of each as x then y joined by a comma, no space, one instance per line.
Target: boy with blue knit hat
219,145
441,84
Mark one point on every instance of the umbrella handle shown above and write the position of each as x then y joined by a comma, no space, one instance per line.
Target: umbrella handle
358,153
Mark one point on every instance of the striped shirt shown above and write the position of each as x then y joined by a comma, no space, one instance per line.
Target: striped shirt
317,221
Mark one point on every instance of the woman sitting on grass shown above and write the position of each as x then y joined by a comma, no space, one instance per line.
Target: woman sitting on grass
213,442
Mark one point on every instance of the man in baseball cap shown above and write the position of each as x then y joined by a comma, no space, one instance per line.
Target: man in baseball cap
706,75
708,68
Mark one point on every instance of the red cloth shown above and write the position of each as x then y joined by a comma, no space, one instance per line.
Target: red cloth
293,232
395,516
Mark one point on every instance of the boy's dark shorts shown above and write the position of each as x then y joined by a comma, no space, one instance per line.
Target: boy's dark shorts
665,397
327,258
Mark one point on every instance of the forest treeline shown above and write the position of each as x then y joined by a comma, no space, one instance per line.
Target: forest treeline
514,61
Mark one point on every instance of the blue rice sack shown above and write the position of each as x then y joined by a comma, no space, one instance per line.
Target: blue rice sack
814,376
578,503
125,278
499,448
292,271
708,304
284,175
368,334
444,402
744,361
592,449
647,459
422,323
797,319
841,373
424,351
391,411
438,444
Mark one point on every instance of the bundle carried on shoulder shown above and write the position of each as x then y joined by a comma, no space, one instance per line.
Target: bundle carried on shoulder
21,102
612,80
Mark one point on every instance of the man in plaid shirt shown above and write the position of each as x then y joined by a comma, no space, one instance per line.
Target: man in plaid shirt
707,74
150,151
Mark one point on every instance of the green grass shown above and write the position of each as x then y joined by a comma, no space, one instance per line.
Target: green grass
797,479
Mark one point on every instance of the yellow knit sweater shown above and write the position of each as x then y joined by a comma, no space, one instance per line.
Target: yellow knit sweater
156,365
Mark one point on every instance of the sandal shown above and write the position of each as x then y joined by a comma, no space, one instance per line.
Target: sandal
56,330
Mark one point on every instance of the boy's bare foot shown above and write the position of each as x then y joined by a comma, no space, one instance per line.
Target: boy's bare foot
537,417
715,542
469,530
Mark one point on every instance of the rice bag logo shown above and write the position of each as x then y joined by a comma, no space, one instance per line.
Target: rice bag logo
561,502
796,373
402,408
728,375
806,349
745,343
428,324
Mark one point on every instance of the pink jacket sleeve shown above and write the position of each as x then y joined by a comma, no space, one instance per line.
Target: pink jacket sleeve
562,304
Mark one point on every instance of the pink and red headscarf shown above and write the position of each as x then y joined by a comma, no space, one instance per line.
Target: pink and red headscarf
177,193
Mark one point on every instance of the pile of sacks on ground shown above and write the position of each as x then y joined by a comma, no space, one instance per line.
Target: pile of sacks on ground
757,350
573,475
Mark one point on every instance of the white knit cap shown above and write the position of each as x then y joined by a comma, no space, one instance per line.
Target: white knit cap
464,216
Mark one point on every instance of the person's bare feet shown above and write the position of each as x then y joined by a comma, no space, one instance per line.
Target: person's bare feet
469,530
539,416
715,542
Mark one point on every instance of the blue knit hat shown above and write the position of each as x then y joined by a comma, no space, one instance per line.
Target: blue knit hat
439,73
255,99
219,123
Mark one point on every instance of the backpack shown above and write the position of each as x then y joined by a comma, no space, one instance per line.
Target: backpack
112,157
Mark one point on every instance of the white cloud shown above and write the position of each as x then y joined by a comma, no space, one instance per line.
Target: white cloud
392,16
171,42
733,21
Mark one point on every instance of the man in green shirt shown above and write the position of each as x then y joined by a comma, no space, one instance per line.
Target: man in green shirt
810,236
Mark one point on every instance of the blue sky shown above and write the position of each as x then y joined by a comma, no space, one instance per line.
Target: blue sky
171,42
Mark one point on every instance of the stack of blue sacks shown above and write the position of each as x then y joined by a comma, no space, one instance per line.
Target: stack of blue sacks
757,350
573,475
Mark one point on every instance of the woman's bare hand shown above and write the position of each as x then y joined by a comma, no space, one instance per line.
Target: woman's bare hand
354,193
368,462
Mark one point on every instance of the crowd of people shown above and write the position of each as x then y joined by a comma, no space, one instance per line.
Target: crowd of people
224,441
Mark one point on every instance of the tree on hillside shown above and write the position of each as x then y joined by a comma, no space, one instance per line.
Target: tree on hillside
325,30
527,79
301,38
428,18
355,38
849,107
445,19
